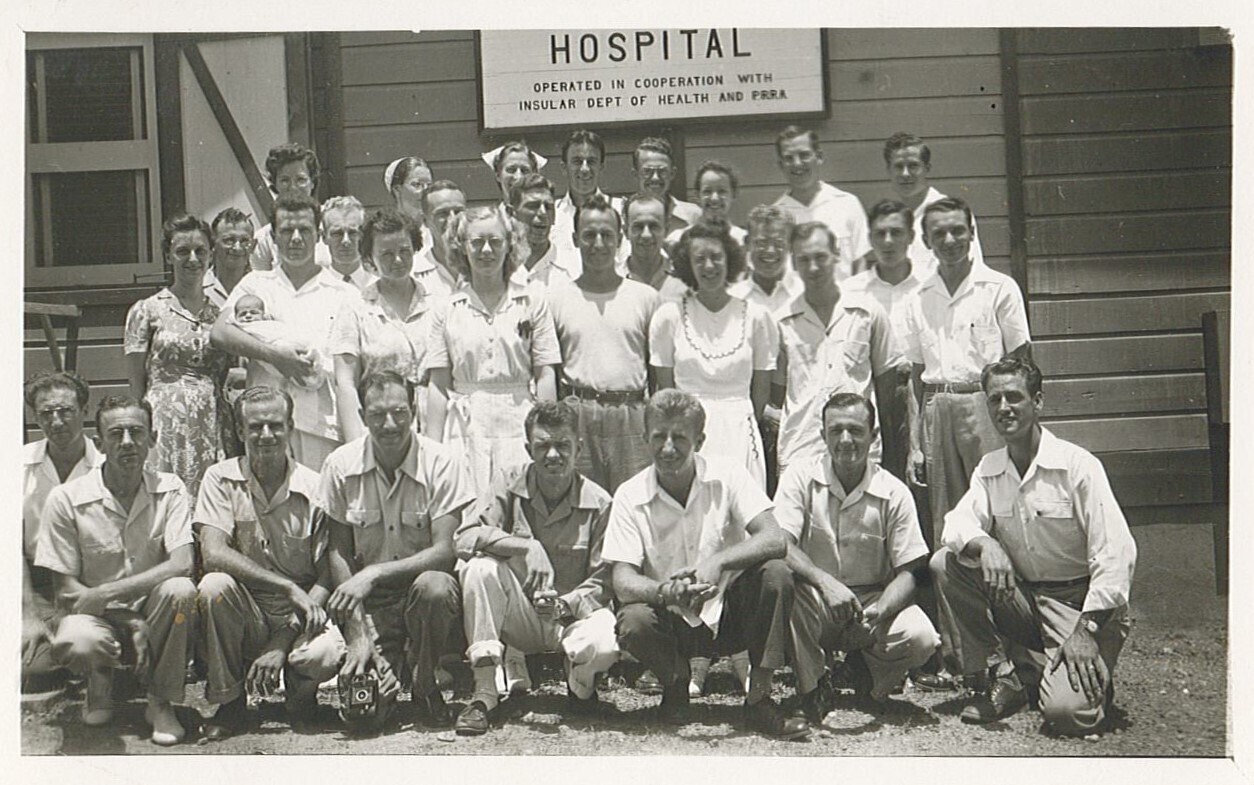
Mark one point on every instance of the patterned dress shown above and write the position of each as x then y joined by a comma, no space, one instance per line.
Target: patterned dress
185,375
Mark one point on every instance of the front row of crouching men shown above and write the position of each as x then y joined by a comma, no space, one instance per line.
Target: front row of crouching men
384,564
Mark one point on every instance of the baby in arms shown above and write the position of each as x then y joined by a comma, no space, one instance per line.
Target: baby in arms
251,317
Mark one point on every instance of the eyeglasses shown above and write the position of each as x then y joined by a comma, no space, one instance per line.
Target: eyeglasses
300,181
58,412
235,242
379,417
183,254
340,234
655,171
477,244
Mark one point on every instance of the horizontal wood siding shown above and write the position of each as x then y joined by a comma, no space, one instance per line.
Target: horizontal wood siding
1127,150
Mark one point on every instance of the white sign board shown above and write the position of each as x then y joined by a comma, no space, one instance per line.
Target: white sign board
580,77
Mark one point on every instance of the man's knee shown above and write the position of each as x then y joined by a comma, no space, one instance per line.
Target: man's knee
433,592
179,590
81,641
634,620
777,578
939,566
1070,713
215,586
919,638
318,659
482,571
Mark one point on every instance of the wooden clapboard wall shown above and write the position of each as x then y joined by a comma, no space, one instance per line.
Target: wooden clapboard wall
1126,150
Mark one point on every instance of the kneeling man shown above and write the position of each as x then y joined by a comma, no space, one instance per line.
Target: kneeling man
263,541
394,498
533,578
119,540
855,548
697,554
1037,554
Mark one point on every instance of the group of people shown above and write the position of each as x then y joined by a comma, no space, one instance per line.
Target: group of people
609,428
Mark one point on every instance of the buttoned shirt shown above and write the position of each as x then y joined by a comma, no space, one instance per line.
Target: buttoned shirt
955,336
492,348
435,278
361,277
87,534
282,533
380,338
1060,522
215,291
860,538
893,298
391,520
787,288
571,532
39,477
817,360
310,312
923,256
547,270
844,215
650,530
604,336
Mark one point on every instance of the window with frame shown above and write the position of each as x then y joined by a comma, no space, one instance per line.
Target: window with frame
92,166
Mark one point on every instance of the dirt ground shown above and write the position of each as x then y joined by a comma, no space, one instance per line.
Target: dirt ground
1171,701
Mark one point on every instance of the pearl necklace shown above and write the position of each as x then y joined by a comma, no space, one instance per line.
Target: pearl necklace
692,339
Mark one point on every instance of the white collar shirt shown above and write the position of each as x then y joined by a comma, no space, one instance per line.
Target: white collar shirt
954,336
1060,522
39,477
893,298
844,215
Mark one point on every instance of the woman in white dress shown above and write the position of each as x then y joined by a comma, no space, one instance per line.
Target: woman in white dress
491,343
717,347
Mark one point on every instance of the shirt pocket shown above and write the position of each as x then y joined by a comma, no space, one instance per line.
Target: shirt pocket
294,556
986,337
367,533
415,530
856,354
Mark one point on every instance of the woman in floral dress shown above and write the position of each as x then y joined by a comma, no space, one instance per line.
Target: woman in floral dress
170,362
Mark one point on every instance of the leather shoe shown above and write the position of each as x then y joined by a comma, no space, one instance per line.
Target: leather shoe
934,682
472,720
437,712
675,702
592,706
227,720
767,718
1005,697
816,704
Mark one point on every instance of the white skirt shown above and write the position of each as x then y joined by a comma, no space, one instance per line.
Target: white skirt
732,432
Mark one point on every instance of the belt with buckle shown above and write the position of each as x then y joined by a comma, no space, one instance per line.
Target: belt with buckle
607,396
958,388
1056,584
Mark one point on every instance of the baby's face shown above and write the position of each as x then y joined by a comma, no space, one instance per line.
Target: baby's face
250,310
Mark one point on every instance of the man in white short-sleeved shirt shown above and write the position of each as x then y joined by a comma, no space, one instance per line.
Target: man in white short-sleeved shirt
1037,553
602,323
292,170
307,298
964,317
696,554
583,159
119,540
532,201
856,549
810,199
830,341
909,162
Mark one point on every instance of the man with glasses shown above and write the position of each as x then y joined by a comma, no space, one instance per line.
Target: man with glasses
342,218
232,246
654,166
810,199
304,296
59,401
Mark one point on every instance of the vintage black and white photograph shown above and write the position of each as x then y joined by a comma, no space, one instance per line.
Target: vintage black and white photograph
802,391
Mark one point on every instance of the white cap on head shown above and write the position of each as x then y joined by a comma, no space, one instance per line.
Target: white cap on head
490,157
389,171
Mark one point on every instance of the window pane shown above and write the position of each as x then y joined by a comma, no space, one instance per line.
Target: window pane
92,218
90,95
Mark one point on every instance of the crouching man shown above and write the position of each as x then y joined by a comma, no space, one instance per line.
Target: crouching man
855,546
697,554
1037,554
264,546
393,498
119,540
533,579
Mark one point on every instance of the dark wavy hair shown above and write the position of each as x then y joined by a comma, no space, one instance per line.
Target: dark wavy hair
291,152
387,220
183,222
707,230
51,380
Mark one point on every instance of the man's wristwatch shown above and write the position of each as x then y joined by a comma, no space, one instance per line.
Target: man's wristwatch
1091,625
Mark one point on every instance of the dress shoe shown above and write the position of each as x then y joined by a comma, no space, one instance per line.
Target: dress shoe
766,717
472,720
648,684
1005,696
934,682
592,706
228,720
166,728
816,704
436,711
